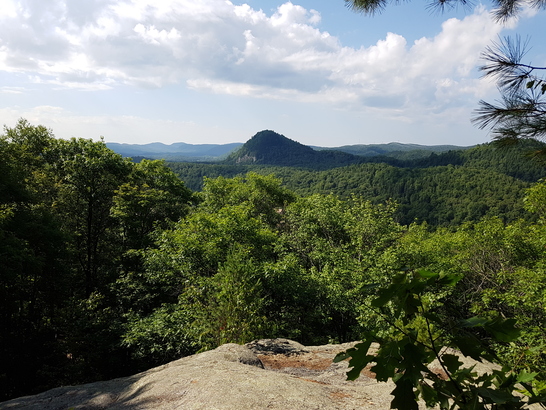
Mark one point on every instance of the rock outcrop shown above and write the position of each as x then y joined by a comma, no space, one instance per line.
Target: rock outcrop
264,374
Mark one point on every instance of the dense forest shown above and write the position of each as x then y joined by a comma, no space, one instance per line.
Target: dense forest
443,189
109,267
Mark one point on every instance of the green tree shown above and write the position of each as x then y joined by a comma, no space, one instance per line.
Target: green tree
521,114
34,279
87,175
502,273
420,333
342,244
261,196
205,270
154,197
535,201
233,311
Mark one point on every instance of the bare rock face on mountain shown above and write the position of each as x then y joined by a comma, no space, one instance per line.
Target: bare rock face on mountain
264,374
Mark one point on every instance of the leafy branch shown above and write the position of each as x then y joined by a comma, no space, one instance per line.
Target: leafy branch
522,111
417,332
504,9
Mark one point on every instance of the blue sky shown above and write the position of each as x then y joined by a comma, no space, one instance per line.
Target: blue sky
215,71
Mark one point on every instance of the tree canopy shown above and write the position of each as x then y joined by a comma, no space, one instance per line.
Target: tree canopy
108,268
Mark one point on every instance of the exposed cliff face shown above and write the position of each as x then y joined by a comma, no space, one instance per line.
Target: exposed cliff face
265,374
246,159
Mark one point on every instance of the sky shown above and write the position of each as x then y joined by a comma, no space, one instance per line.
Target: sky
217,71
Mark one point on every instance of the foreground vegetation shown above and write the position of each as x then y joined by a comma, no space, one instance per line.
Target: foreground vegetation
109,267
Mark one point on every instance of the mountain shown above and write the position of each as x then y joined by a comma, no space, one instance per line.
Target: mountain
275,149
395,149
270,148
178,151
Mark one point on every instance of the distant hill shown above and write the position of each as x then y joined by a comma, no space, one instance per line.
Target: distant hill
393,149
275,149
270,148
178,151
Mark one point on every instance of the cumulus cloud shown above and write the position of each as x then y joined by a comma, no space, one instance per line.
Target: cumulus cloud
219,47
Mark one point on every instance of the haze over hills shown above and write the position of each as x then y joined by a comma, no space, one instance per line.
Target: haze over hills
278,145
179,151
393,149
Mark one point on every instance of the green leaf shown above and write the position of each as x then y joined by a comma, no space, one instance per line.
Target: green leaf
360,351
474,404
432,317
412,305
495,396
505,381
399,279
385,296
530,84
469,345
443,401
370,286
354,373
387,361
524,377
341,356
449,279
414,359
475,321
451,362
359,358
428,393
503,330
404,397
384,370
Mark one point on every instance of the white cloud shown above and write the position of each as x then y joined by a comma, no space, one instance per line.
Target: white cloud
219,47
8,9
11,90
117,128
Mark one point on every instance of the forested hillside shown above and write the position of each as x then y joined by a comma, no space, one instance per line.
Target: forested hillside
269,148
108,267
443,189
395,150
